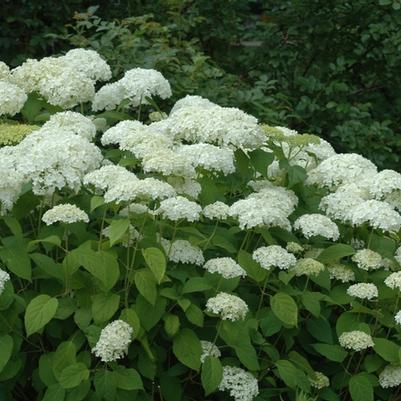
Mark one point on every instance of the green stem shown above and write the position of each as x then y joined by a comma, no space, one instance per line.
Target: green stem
262,295
212,235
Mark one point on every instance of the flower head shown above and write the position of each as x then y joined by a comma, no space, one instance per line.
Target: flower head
394,280
363,291
229,307
12,98
367,259
241,385
65,213
317,224
113,341
308,267
226,267
209,349
274,256
356,340
390,376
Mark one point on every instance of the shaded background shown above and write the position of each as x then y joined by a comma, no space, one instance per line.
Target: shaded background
330,68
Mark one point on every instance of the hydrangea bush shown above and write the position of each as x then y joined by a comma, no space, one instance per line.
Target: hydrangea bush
190,254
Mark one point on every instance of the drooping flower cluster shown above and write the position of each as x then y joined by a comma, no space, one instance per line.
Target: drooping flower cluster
228,306
4,277
113,341
209,349
182,251
226,267
356,340
274,256
65,213
390,376
241,385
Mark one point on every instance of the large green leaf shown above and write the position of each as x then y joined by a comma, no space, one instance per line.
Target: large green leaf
212,373
14,255
116,230
387,349
261,160
335,252
187,348
104,306
285,308
146,284
39,312
333,352
73,375
128,379
6,349
361,388
156,262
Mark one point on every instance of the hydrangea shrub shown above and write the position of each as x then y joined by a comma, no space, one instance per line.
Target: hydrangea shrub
194,254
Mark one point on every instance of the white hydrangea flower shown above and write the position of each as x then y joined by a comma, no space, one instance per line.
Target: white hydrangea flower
319,380
394,280
4,277
338,205
134,208
340,169
55,160
397,255
11,180
376,214
192,101
384,183
167,162
65,213
140,83
88,62
308,267
217,210
241,385
340,272
12,98
356,340
209,349
366,259
108,97
123,129
390,376
363,291
397,317
179,208
108,176
317,224
58,82
226,267
216,125
229,307
113,341
294,247
5,73
72,122
274,256
209,157
182,251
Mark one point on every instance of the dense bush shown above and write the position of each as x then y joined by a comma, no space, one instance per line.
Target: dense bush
186,256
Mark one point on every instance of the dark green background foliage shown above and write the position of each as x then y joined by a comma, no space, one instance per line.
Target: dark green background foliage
328,67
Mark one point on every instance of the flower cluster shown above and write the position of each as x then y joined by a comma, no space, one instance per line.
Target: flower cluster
65,213
241,385
229,307
363,291
113,341
317,224
226,267
356,340
209,349
367,259
274,256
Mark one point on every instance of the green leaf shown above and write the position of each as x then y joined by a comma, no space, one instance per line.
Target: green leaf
311,302
360,388
39,312
105,383
73,375
116,230
387,349
335,252
187,348
146,285
156,262
6,349
128,379
288,373
196,284
261,160
195,315
104,306
212,373
54,392
102,265
296,175
15,257
130,316
171,324
333,352
32,107
252,268
63,357
285,308
96,201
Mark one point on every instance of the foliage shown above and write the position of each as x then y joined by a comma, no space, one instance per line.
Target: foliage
117,261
